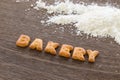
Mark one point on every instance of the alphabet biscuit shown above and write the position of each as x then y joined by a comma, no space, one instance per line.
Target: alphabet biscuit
92,55
37,44
78,54
65,50
51,46
23,41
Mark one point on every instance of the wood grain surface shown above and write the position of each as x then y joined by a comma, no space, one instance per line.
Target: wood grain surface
24,64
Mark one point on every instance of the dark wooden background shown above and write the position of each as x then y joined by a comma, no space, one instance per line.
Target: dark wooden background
24,64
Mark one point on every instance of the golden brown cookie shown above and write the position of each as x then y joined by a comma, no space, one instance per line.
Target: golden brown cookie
37,44
92,55
65,50
78,54
23,41
51,46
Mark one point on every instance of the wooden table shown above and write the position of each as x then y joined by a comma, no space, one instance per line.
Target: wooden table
24,64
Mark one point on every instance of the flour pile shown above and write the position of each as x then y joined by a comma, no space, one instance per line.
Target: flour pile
94,20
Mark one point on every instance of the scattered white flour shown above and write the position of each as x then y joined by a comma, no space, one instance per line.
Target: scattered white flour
42,21
32,5
22,0
94,20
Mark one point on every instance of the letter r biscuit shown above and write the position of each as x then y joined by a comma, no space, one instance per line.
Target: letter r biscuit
78,54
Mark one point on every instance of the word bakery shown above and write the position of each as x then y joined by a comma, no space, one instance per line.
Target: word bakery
65,51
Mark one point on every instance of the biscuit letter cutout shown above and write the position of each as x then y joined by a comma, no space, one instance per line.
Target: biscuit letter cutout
23,41
92,55
79,53
51,46
65,50
37,44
